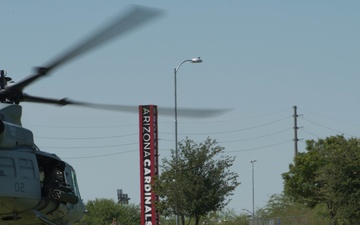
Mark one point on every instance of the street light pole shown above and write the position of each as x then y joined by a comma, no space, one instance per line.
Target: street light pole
253,189
194,60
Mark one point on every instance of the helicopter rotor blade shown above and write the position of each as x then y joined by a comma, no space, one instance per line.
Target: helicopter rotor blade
193,112
135,17
165,111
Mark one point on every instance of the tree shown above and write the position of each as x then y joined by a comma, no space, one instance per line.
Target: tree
196,182
284,210
103,211
328,173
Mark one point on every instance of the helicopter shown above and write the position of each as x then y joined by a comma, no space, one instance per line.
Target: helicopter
37,187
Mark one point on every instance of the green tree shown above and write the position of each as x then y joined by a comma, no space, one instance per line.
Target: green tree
102,212
283,209
328,173
196,182
223,217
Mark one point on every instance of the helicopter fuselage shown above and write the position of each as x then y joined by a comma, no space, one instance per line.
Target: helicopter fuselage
36,187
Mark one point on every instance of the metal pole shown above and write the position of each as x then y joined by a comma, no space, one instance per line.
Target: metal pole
194,60
176,125
253,189
176,135
176,130
295,132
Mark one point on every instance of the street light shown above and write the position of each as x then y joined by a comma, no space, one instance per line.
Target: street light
193,60
253,192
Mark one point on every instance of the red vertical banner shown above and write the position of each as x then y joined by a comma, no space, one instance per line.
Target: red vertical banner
148,163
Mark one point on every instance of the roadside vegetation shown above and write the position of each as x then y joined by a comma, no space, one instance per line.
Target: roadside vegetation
322,187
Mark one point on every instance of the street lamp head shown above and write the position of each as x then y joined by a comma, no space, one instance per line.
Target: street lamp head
193,60
196,60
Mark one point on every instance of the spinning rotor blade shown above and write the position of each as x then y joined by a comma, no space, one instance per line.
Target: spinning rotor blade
166,111
137,16
121,25
193,113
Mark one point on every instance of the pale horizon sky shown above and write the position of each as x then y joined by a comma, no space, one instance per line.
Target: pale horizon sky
259,57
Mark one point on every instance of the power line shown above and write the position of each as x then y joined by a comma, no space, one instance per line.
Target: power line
329,118
233,131
136,124
310,133
119,153
102,155
323,126
88,147
262,147
258,137
82,127
86,138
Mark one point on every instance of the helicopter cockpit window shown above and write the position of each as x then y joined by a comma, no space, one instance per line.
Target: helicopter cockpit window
7,167
73,176
26,168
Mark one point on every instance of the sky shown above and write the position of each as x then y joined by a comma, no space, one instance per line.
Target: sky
260,58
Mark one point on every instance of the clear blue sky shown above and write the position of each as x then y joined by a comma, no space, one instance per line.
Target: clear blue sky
260,58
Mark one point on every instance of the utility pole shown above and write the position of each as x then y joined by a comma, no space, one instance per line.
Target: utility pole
295,131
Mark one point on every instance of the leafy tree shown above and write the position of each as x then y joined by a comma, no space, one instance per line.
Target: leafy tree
196,182
278,205
223,217
328,173
102,212
283,209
